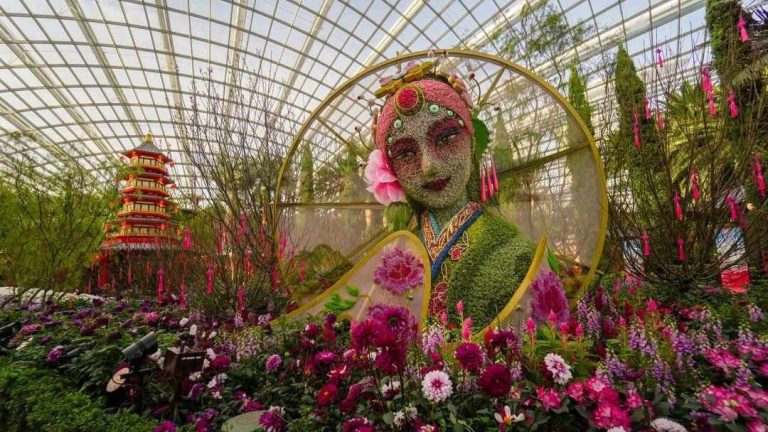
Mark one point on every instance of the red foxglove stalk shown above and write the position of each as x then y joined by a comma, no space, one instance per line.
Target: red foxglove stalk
466,329
483,196
734,109
695,191
636,129
209,288
659,119
659,58
731,201
680,249
742,26
646,243
678,207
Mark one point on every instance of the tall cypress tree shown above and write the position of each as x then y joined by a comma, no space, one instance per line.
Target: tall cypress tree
577,95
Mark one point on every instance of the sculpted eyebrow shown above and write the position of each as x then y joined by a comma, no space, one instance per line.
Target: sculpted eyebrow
438,129
401,144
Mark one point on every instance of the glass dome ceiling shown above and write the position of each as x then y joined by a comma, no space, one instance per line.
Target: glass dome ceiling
90,77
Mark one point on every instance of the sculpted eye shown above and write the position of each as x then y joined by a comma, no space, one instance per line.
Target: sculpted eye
447,138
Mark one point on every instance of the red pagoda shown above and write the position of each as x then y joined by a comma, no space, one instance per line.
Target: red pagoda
144,222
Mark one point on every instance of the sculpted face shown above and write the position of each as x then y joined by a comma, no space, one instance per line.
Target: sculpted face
430,154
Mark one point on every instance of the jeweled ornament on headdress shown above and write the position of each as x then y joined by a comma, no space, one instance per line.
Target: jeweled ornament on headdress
409,100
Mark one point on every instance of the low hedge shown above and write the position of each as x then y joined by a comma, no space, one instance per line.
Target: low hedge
35,399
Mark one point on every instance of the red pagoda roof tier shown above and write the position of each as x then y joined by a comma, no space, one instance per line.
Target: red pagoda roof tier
139,243
147,148
150,168
145,190
142,213
147,198
152,220
153,176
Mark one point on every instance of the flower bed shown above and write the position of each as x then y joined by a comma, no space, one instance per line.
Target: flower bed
617,363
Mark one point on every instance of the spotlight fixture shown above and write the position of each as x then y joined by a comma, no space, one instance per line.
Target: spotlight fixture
141,348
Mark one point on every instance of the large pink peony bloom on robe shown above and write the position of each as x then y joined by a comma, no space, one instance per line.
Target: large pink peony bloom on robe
382,181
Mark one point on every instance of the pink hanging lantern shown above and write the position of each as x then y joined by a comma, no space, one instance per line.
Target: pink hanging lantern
160,283
483,196
731,200
758,168
183,296
495,177
187,242
695,191
732,104
680,249
678,207
659,119
636,129
742,26
491,189
659,58
646,243
209,288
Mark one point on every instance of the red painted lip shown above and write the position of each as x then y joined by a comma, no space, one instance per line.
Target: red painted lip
437,185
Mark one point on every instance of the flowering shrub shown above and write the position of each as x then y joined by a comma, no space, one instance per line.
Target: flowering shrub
617,363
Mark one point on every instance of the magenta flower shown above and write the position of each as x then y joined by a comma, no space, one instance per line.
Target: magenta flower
325,357
548,296
272,419
470,356
398,319
273,362
576,391
357,424
399,271
495,380
220,363
609,414
30,329
250,405
723,359
726,403
381,180
166,426
595,387
370,332
550,398
54,354
326,395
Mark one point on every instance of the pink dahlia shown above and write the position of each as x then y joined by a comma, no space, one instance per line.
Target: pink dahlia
273,362
558,368
609,414
550,398
399,271
595,387
357,424
166,426
436,386
370,332
756,425
327,394
381,180
272,419
726,403
576,391
548,297
470,356
495,380
398,319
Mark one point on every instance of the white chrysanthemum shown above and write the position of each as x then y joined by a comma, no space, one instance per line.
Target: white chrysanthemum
662,424
617,429
193,330
436,386
399,419
556,365
184,321
390,387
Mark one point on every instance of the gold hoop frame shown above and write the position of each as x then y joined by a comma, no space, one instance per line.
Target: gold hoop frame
504,64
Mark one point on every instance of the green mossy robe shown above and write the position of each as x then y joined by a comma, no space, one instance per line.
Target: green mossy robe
483,268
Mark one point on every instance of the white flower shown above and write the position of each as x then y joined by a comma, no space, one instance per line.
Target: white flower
556,365
617,429
662,424
210,353
184,321
399,419
426,428
508,418
212,335
436,386
193,330
218,379
410,412
195,376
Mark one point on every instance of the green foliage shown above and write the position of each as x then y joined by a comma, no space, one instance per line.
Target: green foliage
729,54
37,399
306,175
398,216
577,96
481,135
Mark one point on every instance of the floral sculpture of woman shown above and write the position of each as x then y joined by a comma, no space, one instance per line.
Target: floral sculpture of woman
426,163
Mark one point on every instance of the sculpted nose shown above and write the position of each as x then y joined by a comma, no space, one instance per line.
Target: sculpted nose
428,163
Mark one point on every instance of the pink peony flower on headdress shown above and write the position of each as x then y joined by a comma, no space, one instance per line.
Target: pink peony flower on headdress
399,271
381,180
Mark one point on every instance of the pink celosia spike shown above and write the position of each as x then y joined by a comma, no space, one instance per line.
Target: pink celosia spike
659,58
495,177
742,26
183,296
160,284
659,119
466,330
646,243
187,243
711,102
491,189
695,192
241,301
678,207
731,200
706,80
209,288
759,176
647,108
732,103
680,249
